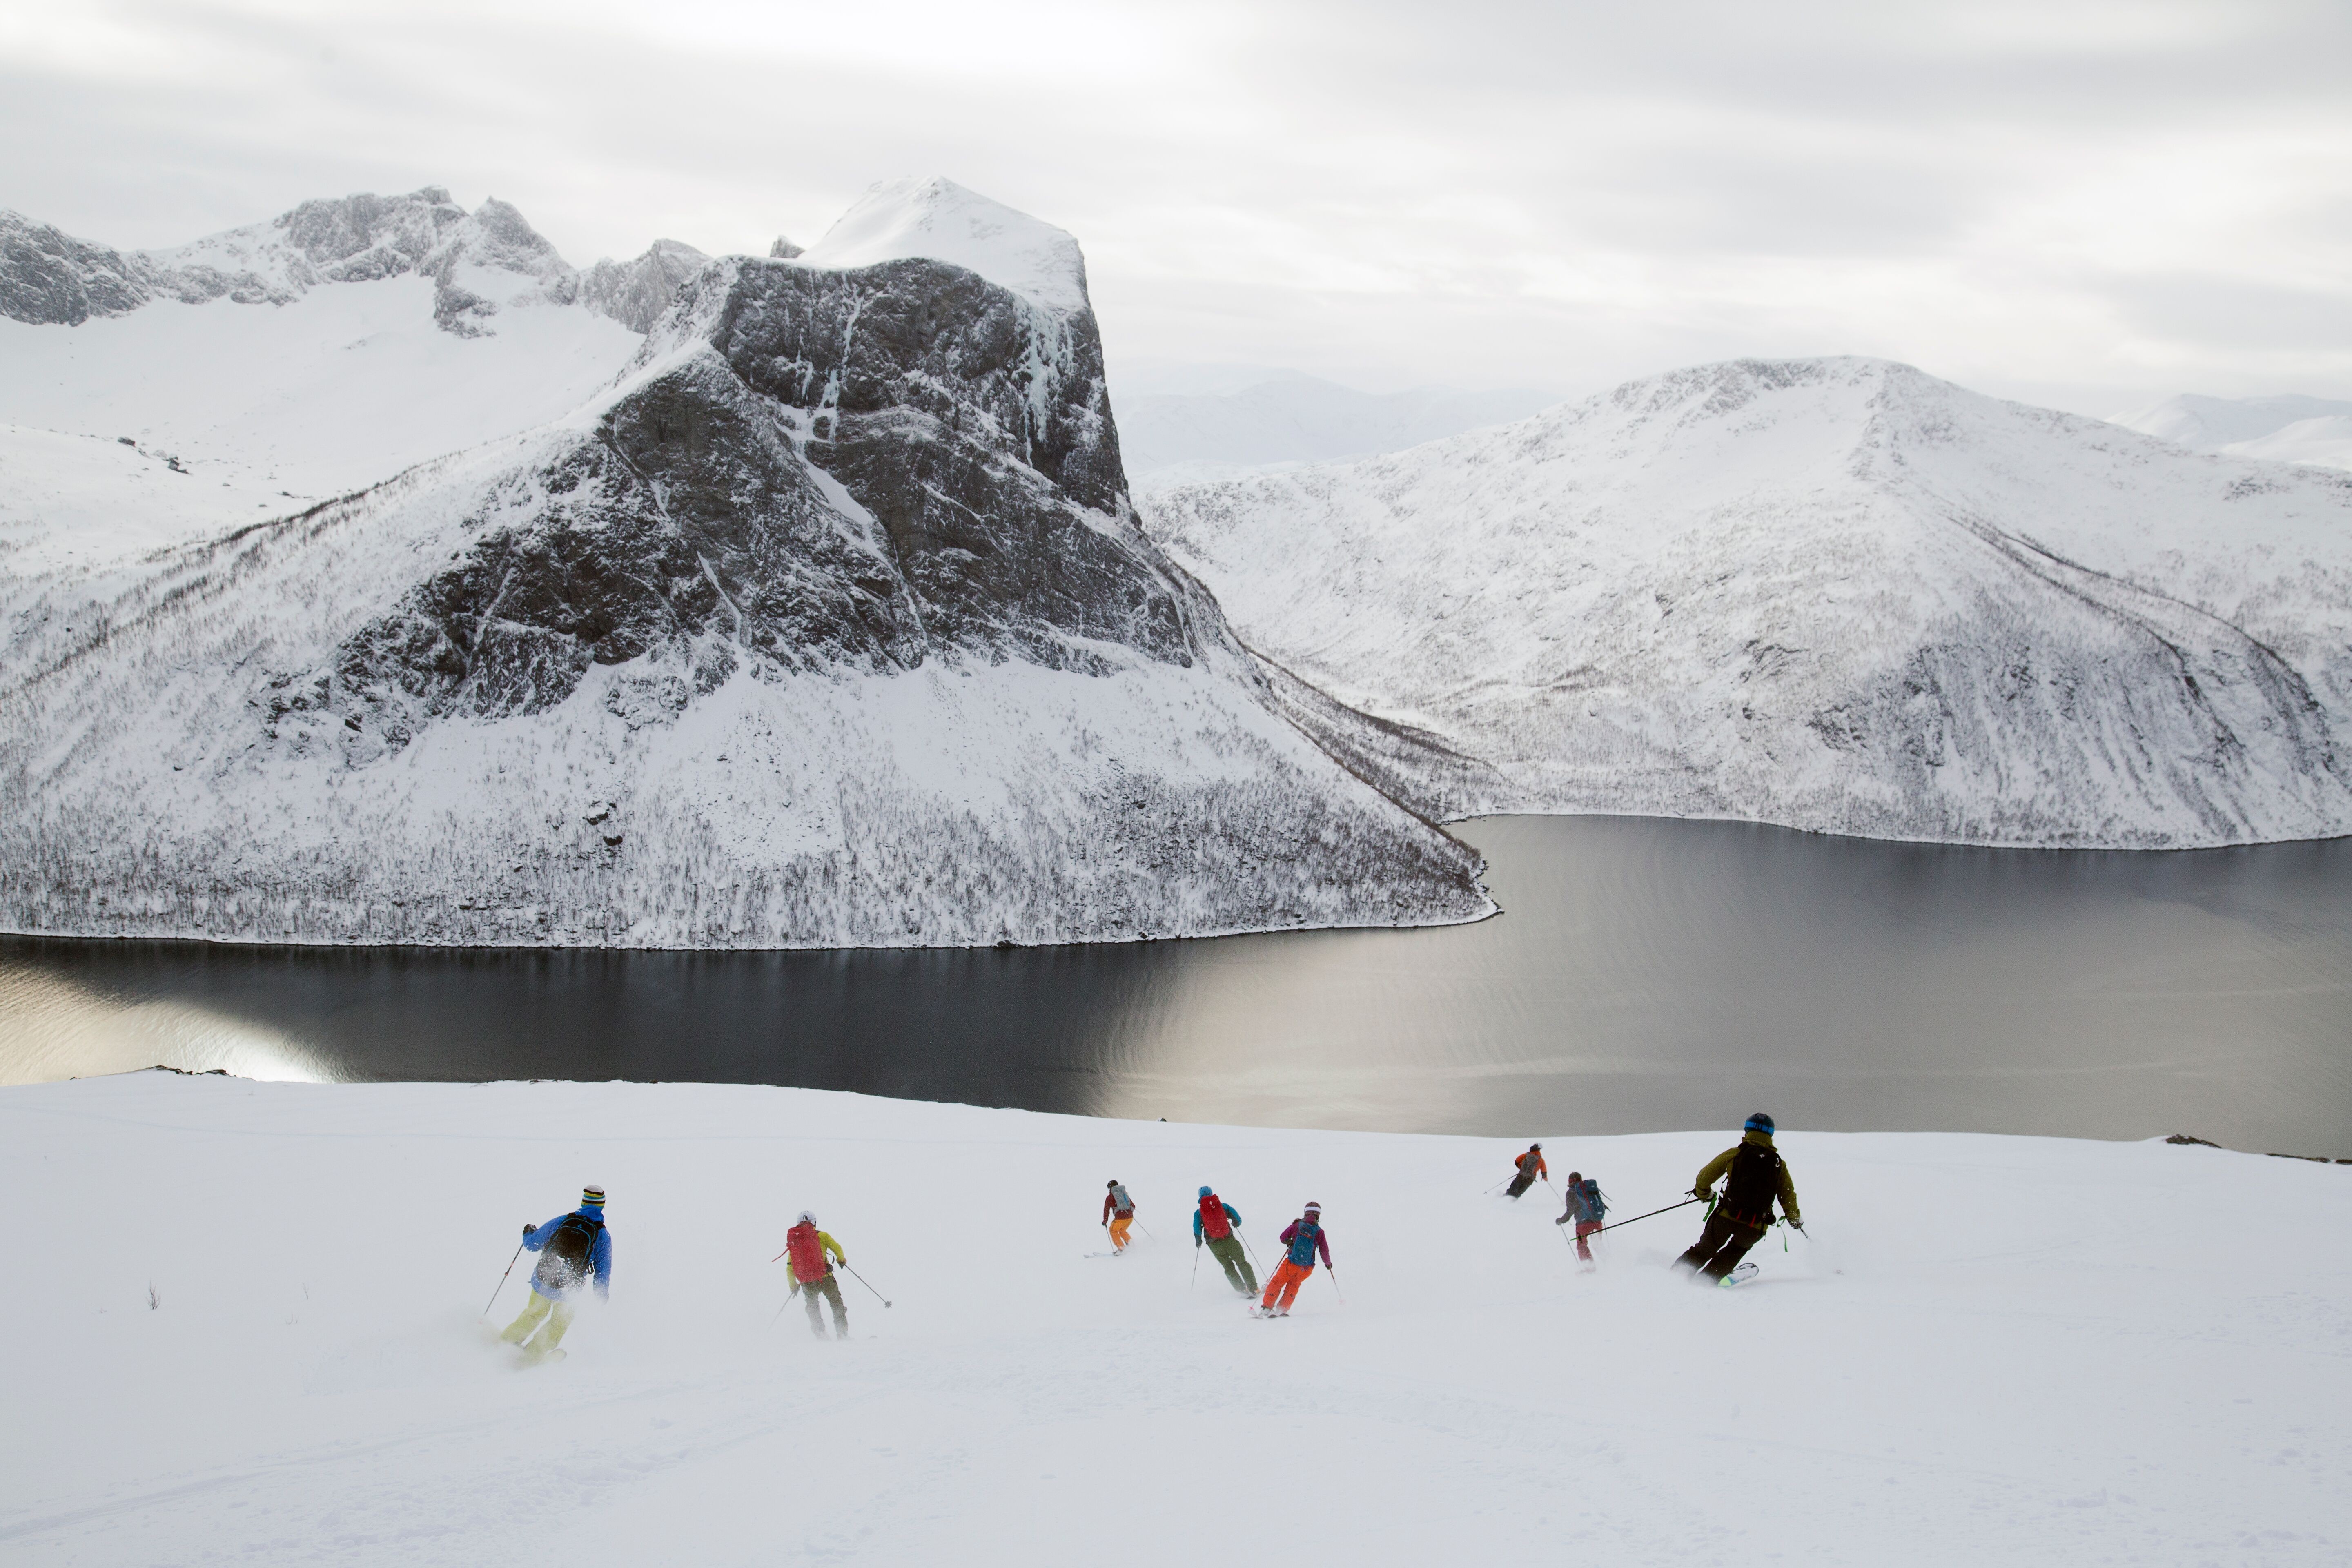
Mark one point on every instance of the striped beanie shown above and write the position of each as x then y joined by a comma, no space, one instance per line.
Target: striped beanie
592,1197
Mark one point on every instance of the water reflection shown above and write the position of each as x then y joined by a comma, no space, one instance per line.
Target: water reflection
1647,974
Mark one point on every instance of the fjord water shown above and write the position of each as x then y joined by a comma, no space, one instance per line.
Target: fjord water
1645,975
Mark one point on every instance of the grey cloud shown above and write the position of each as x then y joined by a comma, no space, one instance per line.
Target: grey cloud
1382,192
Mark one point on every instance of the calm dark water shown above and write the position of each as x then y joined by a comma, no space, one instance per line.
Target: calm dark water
1646,975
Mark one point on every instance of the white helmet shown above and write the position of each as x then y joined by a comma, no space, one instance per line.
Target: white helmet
807,1218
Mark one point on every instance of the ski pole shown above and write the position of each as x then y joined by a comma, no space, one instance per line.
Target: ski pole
1196,1266
1255,1259
501,1284
1145,1229
854,1274
1654,1213
1333,1271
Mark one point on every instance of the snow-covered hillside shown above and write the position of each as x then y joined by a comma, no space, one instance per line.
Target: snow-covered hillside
1171,438
277,365
1988,1350
2291,429
827,623
1832,593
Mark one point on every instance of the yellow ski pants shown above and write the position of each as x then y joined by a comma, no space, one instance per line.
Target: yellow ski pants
544,1314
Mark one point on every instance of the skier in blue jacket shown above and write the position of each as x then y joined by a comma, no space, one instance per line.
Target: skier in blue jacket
1216,1222
572,1248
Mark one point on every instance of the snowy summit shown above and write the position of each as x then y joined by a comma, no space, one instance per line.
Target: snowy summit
936,219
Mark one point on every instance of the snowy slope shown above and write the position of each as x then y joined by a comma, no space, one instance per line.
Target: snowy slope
2229,423
2325,440
1178,437
1836,594
1980,1356
827,623
291,361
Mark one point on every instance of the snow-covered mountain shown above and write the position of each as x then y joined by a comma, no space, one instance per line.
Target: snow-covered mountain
1174,438
826,622
479,263
255,372
1833,593
2290,429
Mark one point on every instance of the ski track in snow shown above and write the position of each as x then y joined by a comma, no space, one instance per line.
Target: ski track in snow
1981,1356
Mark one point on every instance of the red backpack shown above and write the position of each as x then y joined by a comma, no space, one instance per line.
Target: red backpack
807,1254
1213,1219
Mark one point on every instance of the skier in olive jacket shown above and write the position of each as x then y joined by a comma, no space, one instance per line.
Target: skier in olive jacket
1739,1220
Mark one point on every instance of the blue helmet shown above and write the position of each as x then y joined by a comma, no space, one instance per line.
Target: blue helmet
1204,1192
1759,1122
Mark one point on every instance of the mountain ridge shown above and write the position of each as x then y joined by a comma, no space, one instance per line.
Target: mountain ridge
1830,593
478,262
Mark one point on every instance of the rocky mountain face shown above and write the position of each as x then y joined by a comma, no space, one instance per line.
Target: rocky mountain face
829,622
968,430
1837,595
478,262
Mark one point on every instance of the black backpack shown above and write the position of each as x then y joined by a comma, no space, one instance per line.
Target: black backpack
564,1261
1755,1183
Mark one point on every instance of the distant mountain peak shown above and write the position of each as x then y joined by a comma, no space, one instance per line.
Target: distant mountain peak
479,263
936,219
2288,427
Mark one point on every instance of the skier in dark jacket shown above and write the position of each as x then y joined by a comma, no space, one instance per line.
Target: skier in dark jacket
1743,1213
1531,1165
1214,1222
572,1250
1585,1207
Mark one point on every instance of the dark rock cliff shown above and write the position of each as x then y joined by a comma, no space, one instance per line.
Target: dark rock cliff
862,469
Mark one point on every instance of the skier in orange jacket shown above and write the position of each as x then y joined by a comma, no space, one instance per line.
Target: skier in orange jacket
1530,1166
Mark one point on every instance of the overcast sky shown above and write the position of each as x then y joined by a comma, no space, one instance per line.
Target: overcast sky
2092,205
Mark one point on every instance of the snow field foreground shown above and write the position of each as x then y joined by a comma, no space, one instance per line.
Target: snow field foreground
1995,1349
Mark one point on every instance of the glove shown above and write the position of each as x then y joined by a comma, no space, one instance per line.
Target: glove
1561,1220
528,1227
1702,1194
1196,1244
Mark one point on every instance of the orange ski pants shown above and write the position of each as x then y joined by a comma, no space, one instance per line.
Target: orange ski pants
1119,1228
1285,1283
